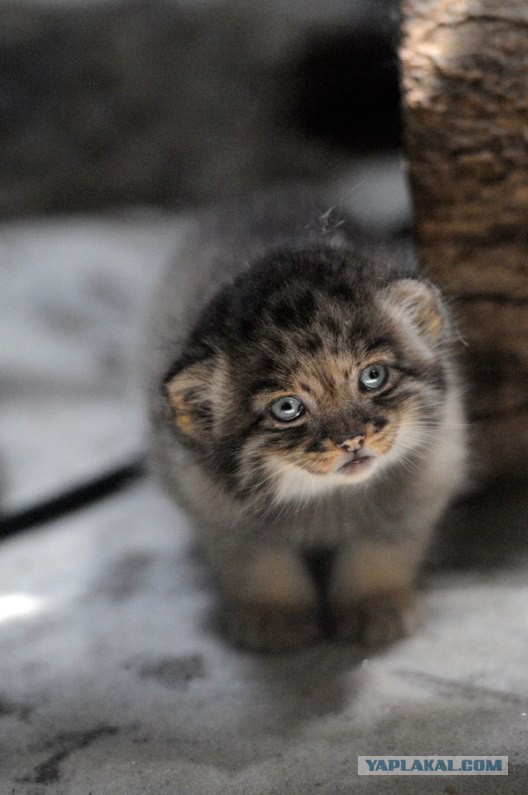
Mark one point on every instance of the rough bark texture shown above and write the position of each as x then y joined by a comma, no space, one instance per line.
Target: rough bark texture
465,80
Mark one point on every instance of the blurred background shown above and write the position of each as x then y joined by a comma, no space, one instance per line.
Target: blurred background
182,101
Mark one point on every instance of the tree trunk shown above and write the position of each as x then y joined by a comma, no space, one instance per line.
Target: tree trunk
465,80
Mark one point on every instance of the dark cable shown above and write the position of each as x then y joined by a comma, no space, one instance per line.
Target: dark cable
73,499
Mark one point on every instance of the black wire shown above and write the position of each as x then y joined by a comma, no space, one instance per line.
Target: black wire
73,499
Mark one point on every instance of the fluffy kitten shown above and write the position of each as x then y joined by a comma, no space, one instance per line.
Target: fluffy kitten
304,398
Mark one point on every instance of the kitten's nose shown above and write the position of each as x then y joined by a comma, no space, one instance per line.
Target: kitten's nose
353,443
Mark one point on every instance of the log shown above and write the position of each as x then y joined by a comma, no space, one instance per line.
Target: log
464,72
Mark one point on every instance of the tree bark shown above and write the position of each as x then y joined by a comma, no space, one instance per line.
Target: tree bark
464,66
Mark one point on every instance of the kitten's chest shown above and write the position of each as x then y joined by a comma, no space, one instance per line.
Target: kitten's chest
342,518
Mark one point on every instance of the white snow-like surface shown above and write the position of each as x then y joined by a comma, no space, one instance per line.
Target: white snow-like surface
115,678
74,293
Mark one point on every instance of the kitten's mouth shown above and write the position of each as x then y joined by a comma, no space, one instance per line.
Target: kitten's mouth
355,465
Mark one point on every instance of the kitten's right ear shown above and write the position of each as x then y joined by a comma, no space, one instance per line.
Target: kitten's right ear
190,395
422,304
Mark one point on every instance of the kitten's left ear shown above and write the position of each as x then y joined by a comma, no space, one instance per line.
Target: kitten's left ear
190,395
422,303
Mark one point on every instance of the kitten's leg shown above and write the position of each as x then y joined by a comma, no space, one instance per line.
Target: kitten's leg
272,602
372,591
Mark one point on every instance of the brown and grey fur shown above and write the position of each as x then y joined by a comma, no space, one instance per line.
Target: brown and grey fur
277,297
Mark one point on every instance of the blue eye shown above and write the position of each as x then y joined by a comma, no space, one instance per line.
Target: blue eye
287,408
374,376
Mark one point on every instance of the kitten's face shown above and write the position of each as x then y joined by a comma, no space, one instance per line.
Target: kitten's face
310,383
334,422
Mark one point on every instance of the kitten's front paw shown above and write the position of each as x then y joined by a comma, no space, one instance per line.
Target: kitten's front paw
379,619
271,627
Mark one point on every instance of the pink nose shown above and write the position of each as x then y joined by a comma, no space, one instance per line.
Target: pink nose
353,444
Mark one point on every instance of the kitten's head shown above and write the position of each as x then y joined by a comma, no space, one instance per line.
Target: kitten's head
310,372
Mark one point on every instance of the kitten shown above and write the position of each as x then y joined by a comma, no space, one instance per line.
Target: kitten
304,398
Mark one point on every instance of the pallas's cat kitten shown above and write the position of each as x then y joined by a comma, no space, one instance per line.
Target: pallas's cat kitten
304,399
